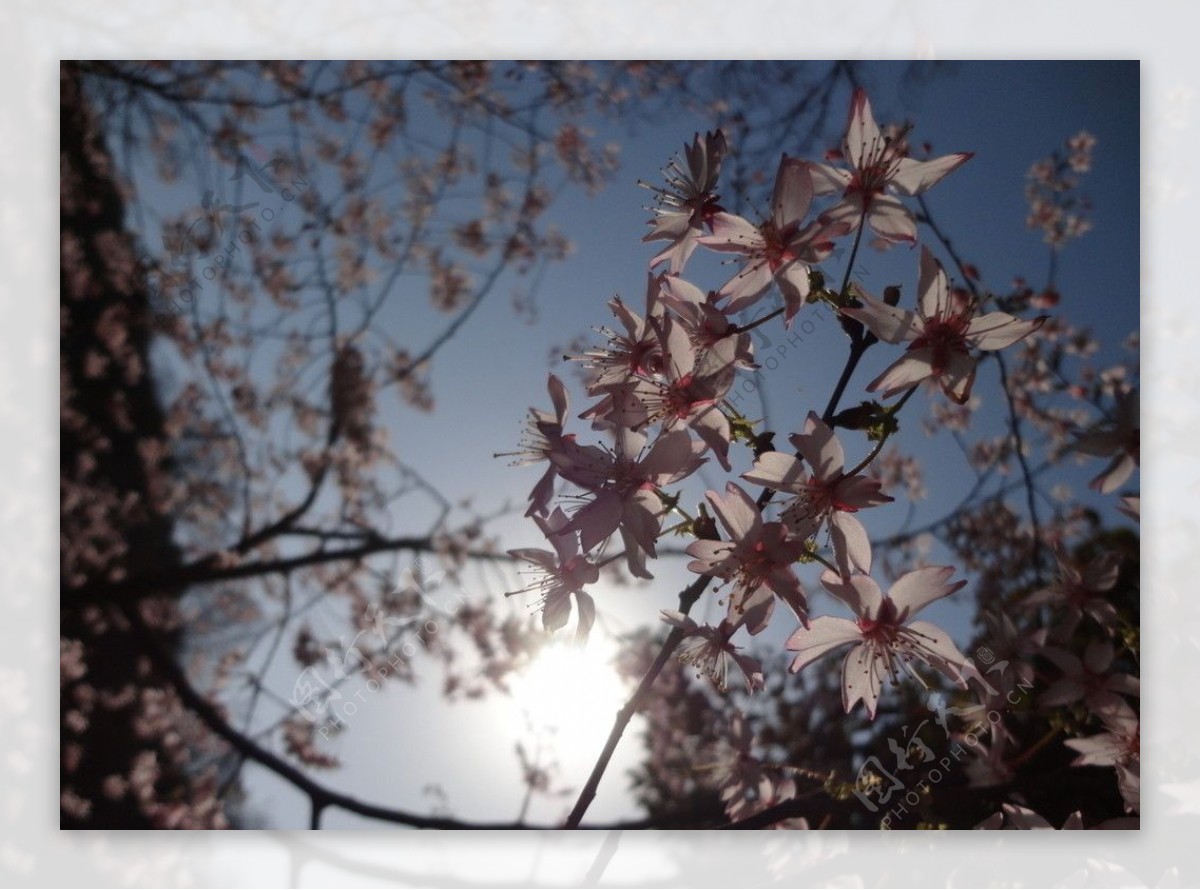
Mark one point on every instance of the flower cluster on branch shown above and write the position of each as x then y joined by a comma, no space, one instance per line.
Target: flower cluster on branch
661,408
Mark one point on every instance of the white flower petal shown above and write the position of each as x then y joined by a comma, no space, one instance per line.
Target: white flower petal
891,220
888,323
915,590
793,192
933,291
642,518
713,558
556,610
753,610
543,558
1115,474
678,619
861,679
712,426
749,284
938,649
958,377
821,448
587,616
859,592
635,557
996,330
559,398
737,512
851,545
829,180
1098,750
907,371
782,472
680,290
597,520
847,213
912,177
862,133
823,635
672,450
733,234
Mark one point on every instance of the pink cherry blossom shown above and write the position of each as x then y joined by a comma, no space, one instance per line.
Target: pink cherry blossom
543,434
709,651
707,324
826,494
1119,438
560,575
624,487
780,249
747,784
1119,747
688,202
1080,590
690,393
940,335
635,353
883,635
1056,205
757,555
878,162
1013,649
1080,147
1089,679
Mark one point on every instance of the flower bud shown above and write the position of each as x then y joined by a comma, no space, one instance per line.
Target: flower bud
763,442
704,526
857,418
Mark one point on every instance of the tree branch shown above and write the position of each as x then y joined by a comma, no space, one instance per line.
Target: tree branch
207,570
687,599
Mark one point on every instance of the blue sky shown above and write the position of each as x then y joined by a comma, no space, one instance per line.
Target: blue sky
1009,114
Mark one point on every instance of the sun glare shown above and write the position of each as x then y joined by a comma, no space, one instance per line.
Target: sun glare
571,693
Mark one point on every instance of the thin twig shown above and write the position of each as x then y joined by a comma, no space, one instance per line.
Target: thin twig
687,599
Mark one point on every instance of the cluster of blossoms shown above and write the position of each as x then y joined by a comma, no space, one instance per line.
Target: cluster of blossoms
1034,647
1051,189
659,410
660,385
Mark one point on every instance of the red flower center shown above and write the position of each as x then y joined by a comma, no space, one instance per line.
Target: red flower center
776,251
944,337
